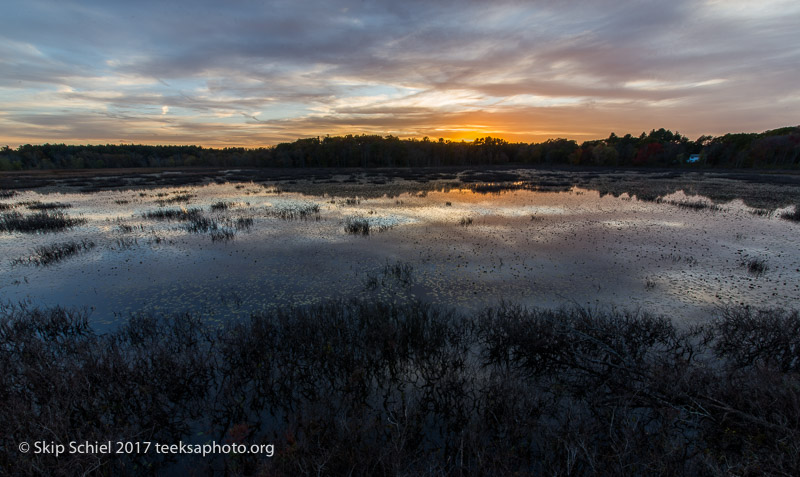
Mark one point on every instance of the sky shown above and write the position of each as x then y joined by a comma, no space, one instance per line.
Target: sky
257,73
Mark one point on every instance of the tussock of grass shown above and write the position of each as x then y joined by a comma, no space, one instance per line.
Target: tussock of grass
49,254
174,199
219,206
295,211
755,266
38,222
173,214
762,212
222,235
200,224
47,205
218,233
243,223
793,216
356,226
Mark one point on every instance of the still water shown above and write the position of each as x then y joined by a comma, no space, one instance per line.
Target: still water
453,247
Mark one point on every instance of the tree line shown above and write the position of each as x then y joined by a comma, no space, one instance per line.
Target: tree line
777,148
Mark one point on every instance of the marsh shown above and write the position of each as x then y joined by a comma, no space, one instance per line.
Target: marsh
232,248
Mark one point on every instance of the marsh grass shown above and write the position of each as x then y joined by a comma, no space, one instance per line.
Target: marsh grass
197,223
201,224
53,253
794,216
691,204
242,223
755,266
376,388
223,234
39,222
356,226
217,232
675,258
124,243
762,212
180,197
399,272
272,189
220,206
302,211
154,239
35,205
173,214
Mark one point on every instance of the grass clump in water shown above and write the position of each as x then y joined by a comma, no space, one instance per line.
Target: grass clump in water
173,214
218,233
39,222
243,223
357,226
47,205
200,224
295,211
223,234
49,254
174,199
756,266
220,205
793,216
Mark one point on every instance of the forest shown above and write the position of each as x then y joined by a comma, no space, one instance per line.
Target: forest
773,149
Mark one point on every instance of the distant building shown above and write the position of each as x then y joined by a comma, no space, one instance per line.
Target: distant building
693,158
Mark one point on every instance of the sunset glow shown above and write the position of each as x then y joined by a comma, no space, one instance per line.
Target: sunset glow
243,74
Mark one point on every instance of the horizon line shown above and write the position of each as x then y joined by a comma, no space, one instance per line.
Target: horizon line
461,140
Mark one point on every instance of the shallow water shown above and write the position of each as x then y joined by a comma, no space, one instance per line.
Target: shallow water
527,247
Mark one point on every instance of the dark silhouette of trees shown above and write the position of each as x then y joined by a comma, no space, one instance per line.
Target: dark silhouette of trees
778,148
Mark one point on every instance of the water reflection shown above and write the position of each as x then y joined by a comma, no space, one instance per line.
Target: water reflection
274,249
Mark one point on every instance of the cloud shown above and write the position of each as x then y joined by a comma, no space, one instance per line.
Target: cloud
102,70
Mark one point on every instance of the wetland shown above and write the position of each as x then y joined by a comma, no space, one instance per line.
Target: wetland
670,243
398,322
